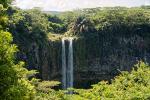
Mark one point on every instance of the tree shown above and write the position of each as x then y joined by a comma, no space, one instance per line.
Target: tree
28,26
14,83
5,3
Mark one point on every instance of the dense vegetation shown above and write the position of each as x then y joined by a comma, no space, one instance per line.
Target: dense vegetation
99,24
14,83
127,86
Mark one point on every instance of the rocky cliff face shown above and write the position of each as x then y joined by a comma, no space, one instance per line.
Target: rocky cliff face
95,58
105,59
46,58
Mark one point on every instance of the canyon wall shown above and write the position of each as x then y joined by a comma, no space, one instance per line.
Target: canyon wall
95,58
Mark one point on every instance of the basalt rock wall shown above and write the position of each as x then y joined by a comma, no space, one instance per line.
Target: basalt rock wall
102,58
95,58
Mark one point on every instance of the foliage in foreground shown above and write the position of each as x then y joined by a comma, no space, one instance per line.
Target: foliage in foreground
14,83
134,85
45,91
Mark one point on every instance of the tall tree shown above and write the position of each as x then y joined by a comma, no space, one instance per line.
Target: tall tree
5,3
14,83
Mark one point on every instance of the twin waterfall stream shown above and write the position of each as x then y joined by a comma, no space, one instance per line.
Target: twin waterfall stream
67,63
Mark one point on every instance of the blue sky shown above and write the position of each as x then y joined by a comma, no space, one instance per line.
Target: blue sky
64,5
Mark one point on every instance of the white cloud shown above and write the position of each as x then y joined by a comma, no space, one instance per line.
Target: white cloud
147,2
28,4
62,5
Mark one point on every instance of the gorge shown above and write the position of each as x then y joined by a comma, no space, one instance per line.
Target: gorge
98,53
106,42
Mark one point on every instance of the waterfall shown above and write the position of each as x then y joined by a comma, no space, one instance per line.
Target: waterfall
67,64
63,64
70,64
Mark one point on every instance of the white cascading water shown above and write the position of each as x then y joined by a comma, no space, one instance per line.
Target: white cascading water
63,64
67,69
70,64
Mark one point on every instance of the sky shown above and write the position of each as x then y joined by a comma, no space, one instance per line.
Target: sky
67,5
